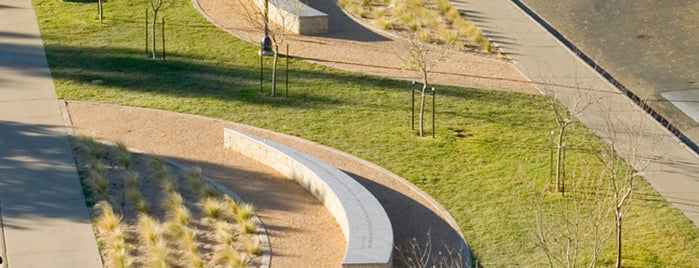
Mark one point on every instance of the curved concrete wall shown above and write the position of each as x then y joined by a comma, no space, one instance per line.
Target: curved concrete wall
362,218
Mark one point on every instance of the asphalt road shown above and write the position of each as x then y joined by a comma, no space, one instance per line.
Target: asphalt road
651,47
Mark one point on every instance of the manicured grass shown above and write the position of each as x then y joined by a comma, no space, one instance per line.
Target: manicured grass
486,179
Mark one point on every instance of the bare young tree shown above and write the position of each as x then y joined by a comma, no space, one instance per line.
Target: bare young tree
422,255
563,117
423,53
257,13
156,6
571,230
626,156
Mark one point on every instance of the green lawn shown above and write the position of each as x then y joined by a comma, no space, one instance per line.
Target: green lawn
486,180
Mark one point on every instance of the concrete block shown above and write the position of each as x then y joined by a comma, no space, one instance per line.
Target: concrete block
295,16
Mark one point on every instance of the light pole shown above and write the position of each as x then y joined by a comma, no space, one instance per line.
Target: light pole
266,48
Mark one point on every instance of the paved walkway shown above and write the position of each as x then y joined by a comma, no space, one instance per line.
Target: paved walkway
44,219
668,165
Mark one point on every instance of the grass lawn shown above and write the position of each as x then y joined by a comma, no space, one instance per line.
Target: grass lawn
486,179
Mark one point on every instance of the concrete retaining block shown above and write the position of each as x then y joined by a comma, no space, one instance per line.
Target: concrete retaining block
363,220
295,16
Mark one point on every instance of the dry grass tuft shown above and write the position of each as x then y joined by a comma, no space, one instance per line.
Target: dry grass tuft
252,245
213,207
107,220
123,155
248,226
194,179
244,212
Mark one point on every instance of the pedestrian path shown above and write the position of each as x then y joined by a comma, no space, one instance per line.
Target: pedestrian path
670,167
45,222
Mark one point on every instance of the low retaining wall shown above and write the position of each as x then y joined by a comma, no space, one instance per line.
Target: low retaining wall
363,220
295,16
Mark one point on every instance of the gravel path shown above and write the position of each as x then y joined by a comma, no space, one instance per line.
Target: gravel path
301,230
359,48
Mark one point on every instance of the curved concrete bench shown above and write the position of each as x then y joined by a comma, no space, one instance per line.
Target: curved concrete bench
363,220
295,16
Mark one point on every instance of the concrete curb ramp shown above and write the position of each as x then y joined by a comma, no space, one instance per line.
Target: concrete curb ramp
363,220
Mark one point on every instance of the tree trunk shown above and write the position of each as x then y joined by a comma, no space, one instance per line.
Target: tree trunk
559,157
618,241
422,102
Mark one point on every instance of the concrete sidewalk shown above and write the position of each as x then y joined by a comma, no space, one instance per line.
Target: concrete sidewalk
673,170
45,222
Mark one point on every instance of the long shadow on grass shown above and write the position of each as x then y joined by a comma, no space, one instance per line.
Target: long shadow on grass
125,69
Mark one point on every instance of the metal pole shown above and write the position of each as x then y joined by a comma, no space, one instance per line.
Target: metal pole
261,71
163,34
412,107
563,184
433,111
286,92
146,50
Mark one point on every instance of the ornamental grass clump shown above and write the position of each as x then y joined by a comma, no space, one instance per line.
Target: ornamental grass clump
151,233
93,149
190,249
133,192
123,155
98,184
252,245
112,234
193,176
213,208
245,212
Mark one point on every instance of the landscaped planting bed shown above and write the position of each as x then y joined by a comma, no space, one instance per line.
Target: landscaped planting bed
148,213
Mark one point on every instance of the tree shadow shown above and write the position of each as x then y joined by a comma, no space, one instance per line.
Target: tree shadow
341,26
38,178
414,223
181,76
